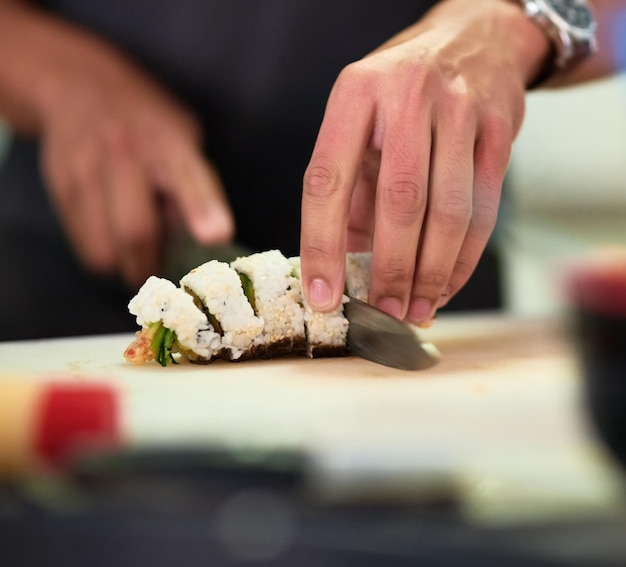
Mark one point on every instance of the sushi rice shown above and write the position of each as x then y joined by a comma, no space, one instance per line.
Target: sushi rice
160,301
218,288
277,301
326,333
358,274
212,314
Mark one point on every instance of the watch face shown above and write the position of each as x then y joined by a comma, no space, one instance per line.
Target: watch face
574,12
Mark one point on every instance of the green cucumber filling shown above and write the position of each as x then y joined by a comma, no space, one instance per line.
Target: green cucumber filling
200,305
162,343
248,289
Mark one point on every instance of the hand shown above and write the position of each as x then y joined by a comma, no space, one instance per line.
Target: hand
411,155
120,156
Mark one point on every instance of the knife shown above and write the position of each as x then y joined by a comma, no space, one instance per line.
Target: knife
379,337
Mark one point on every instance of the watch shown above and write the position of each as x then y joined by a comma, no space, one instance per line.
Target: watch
569,25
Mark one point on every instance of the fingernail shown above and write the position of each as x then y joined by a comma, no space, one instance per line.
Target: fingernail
392,306
220,225
419,310
319,294
213,226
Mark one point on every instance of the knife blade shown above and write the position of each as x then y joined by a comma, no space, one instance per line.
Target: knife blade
379,337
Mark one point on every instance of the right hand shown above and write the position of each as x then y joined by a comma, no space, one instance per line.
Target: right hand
119,156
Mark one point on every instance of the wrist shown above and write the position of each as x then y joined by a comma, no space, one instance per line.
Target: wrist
503,26
534,51
570,28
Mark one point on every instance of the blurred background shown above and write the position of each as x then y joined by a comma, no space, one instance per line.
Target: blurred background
566,189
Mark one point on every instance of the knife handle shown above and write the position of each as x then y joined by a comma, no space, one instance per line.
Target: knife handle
45,424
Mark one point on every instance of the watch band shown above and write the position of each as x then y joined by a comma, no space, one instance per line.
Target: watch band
570,41
570,28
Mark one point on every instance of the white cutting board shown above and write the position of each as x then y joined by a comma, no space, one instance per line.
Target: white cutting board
505,397
501,381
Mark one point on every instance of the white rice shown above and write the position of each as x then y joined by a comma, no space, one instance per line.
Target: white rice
219,288
322,329
282,315
358,266
160,300
277,296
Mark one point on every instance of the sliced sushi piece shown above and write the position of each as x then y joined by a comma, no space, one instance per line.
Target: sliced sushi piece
358,266
276,299
326,333
218,291
170,323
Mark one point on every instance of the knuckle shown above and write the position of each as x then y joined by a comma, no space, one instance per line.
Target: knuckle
484,217
463,269
496,137
431,279
405,197
353,78
498,127
323,250
455,210
321,180
459,101
420,73
394,273
348,75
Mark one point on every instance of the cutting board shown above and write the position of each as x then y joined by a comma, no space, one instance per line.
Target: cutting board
504,397
513,379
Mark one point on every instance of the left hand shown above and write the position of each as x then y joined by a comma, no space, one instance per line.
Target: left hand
411,156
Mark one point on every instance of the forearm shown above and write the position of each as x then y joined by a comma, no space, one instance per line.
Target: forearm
41,56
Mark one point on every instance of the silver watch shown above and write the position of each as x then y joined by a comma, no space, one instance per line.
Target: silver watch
570,26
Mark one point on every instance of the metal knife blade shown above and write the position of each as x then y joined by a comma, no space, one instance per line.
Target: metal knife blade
379,337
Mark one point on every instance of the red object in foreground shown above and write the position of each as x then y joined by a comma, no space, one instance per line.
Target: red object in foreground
75,418
598,285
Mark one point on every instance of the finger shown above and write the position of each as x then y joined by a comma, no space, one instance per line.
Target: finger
449,209
327,189
491,159
78,193
362,206
195,187
400,208
132,211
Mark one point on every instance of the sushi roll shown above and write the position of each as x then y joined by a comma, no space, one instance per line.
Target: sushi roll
326,333
252,308
358,274
218,291
170,322
277,301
